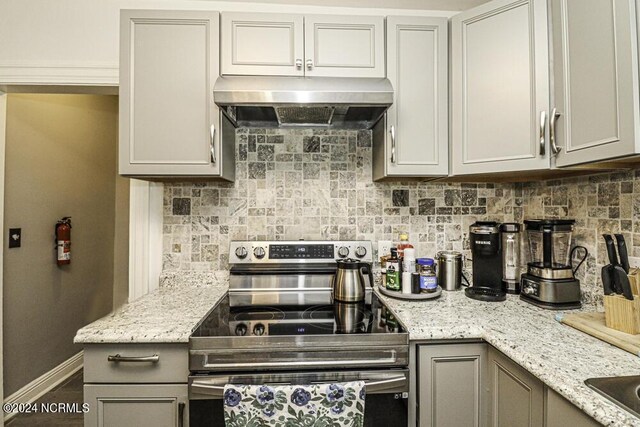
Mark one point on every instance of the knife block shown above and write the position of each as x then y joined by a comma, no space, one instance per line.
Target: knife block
634,280
622,314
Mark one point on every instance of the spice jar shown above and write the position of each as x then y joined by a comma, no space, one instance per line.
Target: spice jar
428,278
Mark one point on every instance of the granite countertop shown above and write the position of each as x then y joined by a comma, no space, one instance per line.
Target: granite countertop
166,315
560,356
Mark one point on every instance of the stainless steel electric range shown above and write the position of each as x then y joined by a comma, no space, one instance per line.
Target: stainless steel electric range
279,325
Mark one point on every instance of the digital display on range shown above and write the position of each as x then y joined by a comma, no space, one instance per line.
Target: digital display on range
301,251
297,329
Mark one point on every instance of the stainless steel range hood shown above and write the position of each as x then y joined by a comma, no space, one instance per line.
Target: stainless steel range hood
342,103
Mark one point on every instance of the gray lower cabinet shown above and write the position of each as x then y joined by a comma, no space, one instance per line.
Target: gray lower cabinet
559,412
516,396
136,385
451,391
140,405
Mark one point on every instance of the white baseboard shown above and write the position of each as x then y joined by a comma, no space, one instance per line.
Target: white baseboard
44,383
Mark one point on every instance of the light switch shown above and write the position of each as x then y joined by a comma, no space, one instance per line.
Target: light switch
15,237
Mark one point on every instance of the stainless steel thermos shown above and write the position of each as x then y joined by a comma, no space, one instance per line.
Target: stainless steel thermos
449,270
510,242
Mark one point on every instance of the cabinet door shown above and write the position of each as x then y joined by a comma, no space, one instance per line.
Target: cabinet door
417,139
517,397
595,79
262,44
344,46
450,385
500,87
168,121
560,412
149,405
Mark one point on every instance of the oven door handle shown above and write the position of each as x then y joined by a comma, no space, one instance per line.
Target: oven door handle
250,365
207,389
379,385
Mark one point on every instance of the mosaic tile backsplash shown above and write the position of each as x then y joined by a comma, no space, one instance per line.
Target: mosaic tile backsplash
604,203
316,184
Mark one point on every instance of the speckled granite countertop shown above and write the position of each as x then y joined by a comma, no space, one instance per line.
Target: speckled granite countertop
560,356
166,315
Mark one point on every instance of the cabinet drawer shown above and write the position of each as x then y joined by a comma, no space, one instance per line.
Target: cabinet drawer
171,366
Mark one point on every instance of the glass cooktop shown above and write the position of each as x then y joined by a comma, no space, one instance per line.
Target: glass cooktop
339,318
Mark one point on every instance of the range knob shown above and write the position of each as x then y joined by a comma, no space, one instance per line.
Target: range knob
241,330
258,329
241,252
361,251
343,251
259,252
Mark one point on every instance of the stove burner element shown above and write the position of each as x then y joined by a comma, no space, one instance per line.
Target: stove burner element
257,313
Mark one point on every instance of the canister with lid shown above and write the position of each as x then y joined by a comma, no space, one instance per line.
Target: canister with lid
449,270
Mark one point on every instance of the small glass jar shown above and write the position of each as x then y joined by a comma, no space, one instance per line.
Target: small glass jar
428,278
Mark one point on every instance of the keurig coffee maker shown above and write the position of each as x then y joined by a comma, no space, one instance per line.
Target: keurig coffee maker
486,256
550,278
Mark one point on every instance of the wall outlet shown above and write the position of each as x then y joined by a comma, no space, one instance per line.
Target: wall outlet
15,237
384,247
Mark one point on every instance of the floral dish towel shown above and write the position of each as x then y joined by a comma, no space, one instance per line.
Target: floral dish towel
316,405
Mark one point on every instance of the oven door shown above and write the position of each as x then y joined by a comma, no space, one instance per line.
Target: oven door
385,404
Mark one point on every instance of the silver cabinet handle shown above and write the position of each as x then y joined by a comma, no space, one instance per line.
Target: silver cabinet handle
212,131
392,131
552,132
309,64
134,359
181,406
543,128
298,63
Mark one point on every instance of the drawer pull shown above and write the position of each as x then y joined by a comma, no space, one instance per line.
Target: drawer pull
135,359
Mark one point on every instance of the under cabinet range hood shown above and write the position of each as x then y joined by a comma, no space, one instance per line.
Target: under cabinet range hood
332,102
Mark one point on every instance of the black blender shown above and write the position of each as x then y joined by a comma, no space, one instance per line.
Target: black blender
550,278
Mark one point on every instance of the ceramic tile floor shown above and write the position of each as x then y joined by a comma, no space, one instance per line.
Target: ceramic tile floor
67,392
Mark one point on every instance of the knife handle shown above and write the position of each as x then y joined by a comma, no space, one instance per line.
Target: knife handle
607,282
622,252
611,249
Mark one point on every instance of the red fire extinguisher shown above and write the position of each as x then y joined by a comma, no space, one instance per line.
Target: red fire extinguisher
63,240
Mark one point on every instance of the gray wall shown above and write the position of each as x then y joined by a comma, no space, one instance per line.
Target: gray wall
60,161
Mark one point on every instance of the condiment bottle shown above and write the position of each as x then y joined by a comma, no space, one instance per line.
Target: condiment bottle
428,278
403,244
393,271
408,267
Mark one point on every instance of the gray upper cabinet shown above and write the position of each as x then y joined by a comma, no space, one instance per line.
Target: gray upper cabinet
262,44
296,45
416,139
169,125
344,46
595,80
500,87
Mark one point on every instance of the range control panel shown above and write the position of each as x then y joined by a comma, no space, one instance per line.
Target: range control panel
298,251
